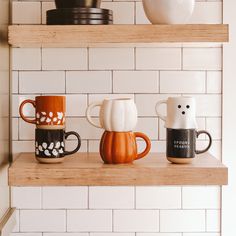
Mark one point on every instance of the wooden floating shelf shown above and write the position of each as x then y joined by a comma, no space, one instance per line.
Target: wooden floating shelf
87,169
88,35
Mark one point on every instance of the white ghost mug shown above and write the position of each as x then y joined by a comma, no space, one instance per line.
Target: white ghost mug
119,115
181,112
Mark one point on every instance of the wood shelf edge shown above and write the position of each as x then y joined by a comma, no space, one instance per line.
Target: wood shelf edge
86,35
85,169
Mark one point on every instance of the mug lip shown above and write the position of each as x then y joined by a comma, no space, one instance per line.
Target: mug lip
50,96
180,97
118,99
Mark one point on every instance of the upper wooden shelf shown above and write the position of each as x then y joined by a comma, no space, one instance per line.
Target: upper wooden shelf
88,169
89,35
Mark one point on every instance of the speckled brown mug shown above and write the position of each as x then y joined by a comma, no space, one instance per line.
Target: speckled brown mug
49,112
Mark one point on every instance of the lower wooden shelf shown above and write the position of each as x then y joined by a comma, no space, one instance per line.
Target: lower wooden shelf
87,169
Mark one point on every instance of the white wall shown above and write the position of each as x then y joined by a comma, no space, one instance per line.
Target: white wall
147,75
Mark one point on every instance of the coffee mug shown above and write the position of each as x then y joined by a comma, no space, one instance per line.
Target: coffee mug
181,112
50,145
121,147
119,115
49,112
181,145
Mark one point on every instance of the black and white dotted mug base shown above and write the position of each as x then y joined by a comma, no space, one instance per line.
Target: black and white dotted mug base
50,160
177,160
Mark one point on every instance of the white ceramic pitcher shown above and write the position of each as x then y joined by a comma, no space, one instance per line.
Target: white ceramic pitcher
119,115
181,113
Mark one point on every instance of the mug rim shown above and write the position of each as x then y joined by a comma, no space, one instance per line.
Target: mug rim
180,97
50,96
118,99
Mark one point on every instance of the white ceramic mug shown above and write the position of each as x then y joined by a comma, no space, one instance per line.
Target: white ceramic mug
168,11
119,115
181,113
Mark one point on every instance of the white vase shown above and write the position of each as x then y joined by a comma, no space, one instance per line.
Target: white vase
168,11
119,115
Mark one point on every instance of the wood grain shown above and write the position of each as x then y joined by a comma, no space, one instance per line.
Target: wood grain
88,169
88,35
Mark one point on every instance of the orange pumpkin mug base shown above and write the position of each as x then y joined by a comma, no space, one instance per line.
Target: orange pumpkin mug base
121,147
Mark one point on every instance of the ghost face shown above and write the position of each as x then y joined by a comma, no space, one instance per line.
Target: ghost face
181,113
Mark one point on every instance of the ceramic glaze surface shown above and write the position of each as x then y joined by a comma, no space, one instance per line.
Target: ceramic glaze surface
121,147
49,111
168,11
181,113
118,115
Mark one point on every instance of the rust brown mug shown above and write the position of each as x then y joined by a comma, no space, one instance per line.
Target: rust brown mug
49,112
121,147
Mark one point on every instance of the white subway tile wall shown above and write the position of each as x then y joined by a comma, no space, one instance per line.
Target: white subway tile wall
146,74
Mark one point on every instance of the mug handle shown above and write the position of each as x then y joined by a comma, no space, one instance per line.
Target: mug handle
210,141
157,106
148,144
67,134
88,112
32,121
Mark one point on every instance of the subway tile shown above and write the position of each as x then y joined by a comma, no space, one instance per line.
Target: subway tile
158,58
140,14
135,81
202,59
213,126
214,82
26,130
26,12
213,220
111,197
89,82
216,149
158,197
182,221
151,99
142,145
201,234
26,234
16,228
15,128
89,220
84,128
26,59
22,146
182,82
45,7
26,197
201,197
123,12
65,234
42,82
64,58
159,234
208,105
70,197
76,104
207,13
15,82
148,126
111,58
112,234
136,220
42,220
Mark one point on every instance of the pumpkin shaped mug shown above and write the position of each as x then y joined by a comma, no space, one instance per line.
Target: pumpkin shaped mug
121,147
119,115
